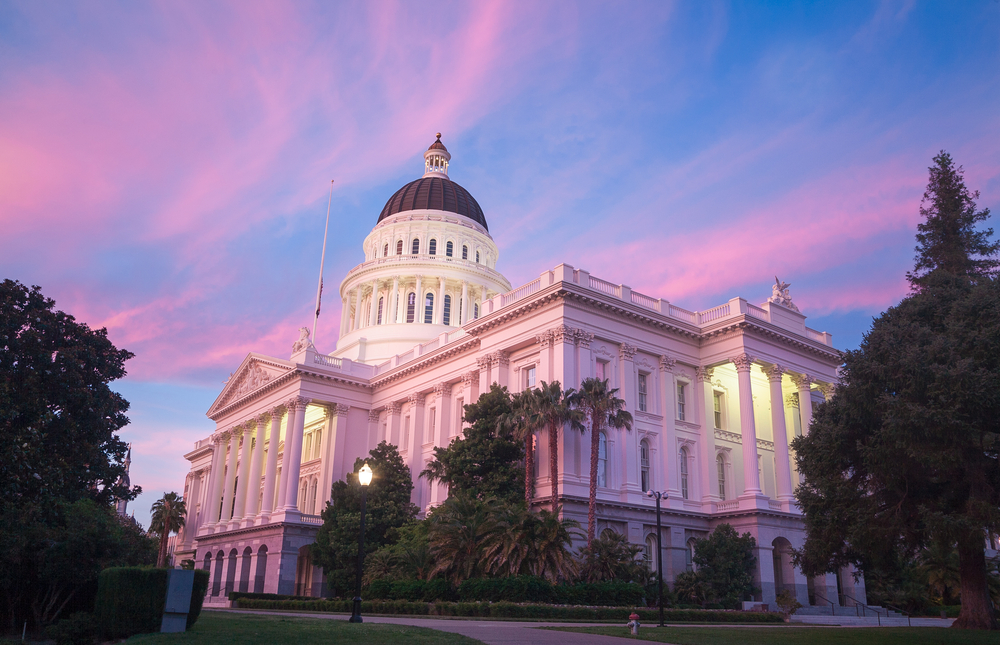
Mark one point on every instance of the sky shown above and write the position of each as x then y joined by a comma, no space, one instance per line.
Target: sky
165,166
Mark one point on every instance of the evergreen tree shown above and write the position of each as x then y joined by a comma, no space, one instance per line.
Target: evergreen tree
388,509
907,453
485,461
726,563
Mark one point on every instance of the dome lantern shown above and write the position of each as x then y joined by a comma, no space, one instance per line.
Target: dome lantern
436,159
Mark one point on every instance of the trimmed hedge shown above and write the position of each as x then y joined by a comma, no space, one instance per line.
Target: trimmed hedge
130,600
237,595
516,589
510,610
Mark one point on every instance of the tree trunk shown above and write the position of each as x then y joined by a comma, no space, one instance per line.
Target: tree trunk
595,446
977,610
529,469
554,463
161,559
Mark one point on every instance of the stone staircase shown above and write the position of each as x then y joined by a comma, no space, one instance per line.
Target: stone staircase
868,611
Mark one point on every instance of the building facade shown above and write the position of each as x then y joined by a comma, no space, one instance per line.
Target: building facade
428,323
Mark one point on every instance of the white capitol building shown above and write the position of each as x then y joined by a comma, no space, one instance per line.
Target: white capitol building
429,323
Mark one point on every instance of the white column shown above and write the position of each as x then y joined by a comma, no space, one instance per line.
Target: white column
483,363
465,305
783,472
468,379
418,306
748,428
272,464
291,409
709,482
357,307
500,365
544,341
218,476
373,309
243,479
256,462
443,392
227,496
630,440
804,385
416,451
345,316
191,504
294,456
668,438
390,315
439,304
336,433
392,424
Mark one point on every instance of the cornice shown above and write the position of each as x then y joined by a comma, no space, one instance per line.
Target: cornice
435,356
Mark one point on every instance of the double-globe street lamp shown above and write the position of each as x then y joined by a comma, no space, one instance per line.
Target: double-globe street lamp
365,478
659,549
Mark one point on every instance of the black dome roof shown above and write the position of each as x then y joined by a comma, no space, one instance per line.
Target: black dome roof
434,193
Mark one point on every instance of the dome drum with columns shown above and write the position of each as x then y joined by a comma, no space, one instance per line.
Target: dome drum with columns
429,324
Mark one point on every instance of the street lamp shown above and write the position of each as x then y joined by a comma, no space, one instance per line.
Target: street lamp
659,549
365,477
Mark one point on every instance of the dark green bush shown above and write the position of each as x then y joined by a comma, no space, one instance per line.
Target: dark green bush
79,629
237,595
130,601
381,588
437,589
197,596
407,590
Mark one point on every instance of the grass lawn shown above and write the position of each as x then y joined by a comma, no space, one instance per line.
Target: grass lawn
216,628
798,635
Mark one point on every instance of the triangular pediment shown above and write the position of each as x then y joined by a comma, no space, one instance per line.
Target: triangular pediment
255,372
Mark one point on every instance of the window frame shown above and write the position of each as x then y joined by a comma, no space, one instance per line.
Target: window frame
681,400
643,390
449,249
429,308
432,246
446,311
645,472
399,247
415,247
685,474
411,307
720,463
602,461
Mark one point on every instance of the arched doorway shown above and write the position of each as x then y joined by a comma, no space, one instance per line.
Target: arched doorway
245,569
303,573
258,581
231,572
217,576
784,571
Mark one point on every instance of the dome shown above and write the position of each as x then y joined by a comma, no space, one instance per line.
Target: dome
434,193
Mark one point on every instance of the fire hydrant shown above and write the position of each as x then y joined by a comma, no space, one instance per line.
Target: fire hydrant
633,623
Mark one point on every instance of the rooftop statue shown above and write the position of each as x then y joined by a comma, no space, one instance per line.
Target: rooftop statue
779,294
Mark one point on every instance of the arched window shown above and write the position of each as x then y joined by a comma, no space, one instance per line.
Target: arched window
477,257
432,247
311,508
207,565
465,252
602,460
411,305
649,553
475,311
258,582
684,473
399,247
416,246
380,311
220,559
429,308
644,465
385,251
245,569
689,554
447,309
449,249
720,463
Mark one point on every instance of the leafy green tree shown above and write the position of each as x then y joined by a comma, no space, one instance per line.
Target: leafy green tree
549,408
726,563
388,508
907,453
58,419
408,557
167,516
486,460
597,400
612,557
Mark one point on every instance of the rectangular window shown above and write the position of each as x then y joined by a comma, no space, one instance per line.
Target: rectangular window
681,387
433,423
600,370
642,392
406,433
529,377
717,403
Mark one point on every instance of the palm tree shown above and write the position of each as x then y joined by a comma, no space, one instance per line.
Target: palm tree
518,422
549,408
456,530
553,538
168,515
605,410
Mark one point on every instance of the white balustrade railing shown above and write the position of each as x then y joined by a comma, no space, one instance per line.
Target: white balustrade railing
329,361
713,314
682,314
729,505
606,287
645,301
520,292
312,519
757,312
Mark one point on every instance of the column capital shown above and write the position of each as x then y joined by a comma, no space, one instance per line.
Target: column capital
703,374
277,412
563,333
262,419
338,409
627,352
470,378
802,381
483,362
395,407
544,339
373,415
826,389
743,362
297,402
416,399
774,372
667,364
583,338
500,358
442,389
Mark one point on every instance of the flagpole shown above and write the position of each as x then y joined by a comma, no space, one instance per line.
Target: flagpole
322,259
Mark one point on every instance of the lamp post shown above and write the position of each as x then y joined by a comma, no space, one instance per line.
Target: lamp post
659,549
365,477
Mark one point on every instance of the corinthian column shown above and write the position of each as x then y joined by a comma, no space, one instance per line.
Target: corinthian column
227,497
267,504
804,385
294,455
783,472
217,477
390,315
243,480
256,461
751,476
709,492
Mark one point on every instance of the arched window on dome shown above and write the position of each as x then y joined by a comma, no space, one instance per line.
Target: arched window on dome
416,246
477,257
465,252
447,308
432,247
385,251
429,308
399,247
449,249
411,305
379,322
475,311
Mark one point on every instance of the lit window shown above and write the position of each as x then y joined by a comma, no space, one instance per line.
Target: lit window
477,257
411,305
649,552
600,370
717,402
447,309
449,249
429,309
602,460
529,378
720,463
399,247
680,401
416,246
432,247
465,252
644,465
379,311
684,473
642,392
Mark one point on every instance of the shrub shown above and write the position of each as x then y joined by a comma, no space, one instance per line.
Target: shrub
380,589
197,596
407,590
79,629
130,601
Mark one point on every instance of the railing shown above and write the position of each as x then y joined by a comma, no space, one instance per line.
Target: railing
520,292
682,314
645,301
329,361
730,505
900,611
606,287
312,519
757,312
714,314
774,504
833,605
